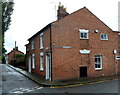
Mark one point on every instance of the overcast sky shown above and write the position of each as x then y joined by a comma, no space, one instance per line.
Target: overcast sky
30,16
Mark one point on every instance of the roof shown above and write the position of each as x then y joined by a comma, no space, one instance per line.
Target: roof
46,27
26,44
49,25
13,51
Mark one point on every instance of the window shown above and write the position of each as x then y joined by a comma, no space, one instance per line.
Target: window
104,37
83,34
33,61
118,57
119,36
27,48
41,61
98,62
41,41
32,44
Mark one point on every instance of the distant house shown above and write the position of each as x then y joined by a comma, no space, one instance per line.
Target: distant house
11,57
76,45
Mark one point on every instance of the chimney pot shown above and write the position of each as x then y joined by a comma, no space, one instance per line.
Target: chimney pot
16,48
61,12
65,9
59,4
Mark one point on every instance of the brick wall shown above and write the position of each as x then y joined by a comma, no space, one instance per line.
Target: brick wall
119,53
66,43
11,55
66,62
37,51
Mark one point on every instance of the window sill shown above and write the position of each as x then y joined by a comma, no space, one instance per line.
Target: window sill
41,48
84,38
104,39
41,70
98,69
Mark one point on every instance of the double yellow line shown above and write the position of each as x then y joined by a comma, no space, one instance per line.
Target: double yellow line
81,84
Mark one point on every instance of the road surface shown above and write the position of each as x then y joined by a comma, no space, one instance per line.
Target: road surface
16,83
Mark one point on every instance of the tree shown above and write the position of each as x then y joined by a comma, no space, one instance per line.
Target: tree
0,32
6,10
19,55
20,60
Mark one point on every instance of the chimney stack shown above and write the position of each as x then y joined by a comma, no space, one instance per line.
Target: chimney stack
16,47
61,12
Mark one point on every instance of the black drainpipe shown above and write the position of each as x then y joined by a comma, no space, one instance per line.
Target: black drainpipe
51,48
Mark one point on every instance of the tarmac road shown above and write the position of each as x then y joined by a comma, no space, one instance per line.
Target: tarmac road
16,83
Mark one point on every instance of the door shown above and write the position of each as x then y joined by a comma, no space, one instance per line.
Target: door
6,59
29,64
48,67
83,71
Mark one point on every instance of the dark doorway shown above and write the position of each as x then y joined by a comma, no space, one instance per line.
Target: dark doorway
83,71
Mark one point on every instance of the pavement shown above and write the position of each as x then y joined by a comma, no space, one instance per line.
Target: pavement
64,84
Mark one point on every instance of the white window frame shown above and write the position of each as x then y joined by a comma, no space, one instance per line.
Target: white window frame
33,44
104,35
118,57
84,32
33,61
41,41
41,61
98,63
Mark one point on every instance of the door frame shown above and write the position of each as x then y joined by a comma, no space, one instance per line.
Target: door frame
85,75
48,66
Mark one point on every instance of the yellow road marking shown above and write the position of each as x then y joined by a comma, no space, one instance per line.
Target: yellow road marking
80,84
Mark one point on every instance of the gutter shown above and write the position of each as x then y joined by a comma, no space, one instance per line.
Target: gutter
117,31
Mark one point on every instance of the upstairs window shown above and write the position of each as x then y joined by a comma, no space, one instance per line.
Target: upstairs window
83,34
33,44
27,48
104,37
119,36
41,41
98,62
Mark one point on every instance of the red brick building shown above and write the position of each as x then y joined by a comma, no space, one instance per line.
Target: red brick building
11,56
118,56
76,45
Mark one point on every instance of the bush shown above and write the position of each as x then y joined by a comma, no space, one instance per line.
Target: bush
20,60
20,55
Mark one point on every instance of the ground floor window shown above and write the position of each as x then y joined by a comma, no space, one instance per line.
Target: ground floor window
33,61
41,62
98,62
118,57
